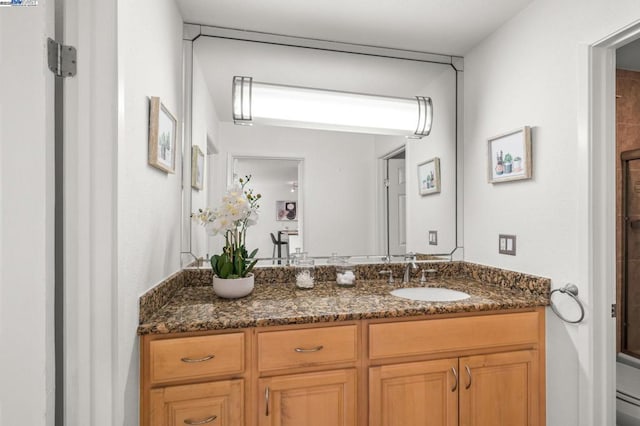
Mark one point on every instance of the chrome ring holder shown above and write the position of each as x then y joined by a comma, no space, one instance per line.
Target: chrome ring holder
570,290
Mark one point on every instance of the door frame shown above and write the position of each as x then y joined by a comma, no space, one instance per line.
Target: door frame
596,241
383,199
94,386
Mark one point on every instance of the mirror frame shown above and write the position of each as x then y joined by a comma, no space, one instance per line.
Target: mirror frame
191,32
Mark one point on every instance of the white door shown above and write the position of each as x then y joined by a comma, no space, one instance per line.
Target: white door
26,215
396,204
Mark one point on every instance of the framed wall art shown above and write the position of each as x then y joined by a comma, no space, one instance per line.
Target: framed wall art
286,210
162,136
197,168
429,176
510,156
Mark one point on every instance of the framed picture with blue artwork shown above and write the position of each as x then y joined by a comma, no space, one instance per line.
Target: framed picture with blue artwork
510,156
429,176
162,136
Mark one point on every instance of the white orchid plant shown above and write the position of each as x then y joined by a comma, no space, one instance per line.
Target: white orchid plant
238,211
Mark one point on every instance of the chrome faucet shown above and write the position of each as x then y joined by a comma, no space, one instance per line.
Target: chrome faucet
410,258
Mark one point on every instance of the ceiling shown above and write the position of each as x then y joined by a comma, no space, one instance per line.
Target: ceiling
450,27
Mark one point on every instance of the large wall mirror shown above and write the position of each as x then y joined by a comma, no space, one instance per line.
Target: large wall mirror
324,192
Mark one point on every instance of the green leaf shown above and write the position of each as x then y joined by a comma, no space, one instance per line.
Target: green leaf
238,265
222,260
250,267
253,254
214,263
226,270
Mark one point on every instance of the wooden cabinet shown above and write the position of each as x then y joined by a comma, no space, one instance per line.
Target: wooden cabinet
484,390
470,370
500,389
418,393
194,379
493,386
216,404
309,399
307,347
196,357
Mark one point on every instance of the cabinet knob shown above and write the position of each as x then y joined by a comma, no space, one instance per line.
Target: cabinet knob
468,374
203,359
200,422
455,376
316,349
266,398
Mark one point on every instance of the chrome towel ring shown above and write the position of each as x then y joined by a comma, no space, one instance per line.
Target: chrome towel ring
570,290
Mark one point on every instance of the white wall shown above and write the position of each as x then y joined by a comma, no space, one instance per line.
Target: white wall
149,200
26,217
337,194
205,129
272,179
526,73
434,212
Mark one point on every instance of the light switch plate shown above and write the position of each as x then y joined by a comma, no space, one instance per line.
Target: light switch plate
433,238
507,244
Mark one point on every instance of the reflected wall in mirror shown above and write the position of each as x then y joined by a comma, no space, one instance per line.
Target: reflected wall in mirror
281,212
355,197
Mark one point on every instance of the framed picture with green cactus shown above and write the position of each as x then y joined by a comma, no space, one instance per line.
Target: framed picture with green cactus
509,156
429,176
162,136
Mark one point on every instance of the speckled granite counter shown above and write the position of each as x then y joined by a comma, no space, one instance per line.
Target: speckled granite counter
197,308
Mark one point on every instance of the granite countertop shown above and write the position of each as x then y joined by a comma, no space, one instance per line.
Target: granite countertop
197,308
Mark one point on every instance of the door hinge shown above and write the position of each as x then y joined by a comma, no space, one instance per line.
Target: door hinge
386,183
62,59
614,310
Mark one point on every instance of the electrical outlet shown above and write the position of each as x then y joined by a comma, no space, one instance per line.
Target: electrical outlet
507,244
433,238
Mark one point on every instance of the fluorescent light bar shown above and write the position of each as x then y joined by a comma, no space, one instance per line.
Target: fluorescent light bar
279,105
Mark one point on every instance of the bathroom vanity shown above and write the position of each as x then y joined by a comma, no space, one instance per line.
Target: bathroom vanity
334,356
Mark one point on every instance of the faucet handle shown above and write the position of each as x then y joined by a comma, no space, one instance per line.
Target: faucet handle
387,272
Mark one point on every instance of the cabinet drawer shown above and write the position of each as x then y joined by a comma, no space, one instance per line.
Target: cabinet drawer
196,357
307,347
216,403
408,338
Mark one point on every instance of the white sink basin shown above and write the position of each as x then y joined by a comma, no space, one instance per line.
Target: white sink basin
428,294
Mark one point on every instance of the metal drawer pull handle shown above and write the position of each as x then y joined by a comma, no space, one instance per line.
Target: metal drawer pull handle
469,374
455,375
203,359
266,397
200,422
316,349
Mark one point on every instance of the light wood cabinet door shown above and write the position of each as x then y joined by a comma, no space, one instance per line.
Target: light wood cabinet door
311,399
414,394
208,404
499,389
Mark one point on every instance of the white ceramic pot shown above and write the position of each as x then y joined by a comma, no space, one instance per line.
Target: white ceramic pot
233,288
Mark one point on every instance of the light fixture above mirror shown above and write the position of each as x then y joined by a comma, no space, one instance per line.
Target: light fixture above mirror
291,106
